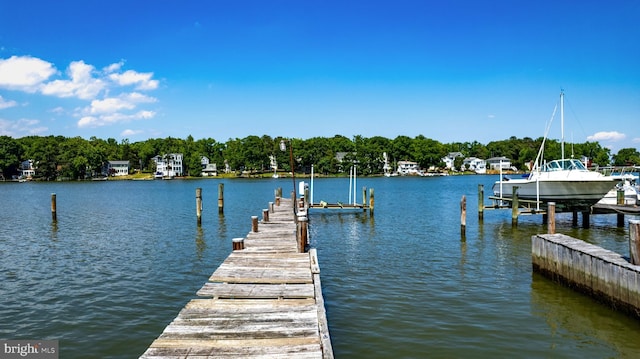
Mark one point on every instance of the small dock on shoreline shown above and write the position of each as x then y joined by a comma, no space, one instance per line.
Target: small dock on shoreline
264,300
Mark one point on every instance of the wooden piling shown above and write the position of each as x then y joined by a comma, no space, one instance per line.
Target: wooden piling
303,229
364,199
220,198
254,223
514,206
480,202
199,205
551,218
634,241
278,201
271,207
371,201
265,215
463,216
238,244
54,209
585,219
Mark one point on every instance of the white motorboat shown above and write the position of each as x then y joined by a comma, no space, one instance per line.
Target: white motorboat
567,182
630,189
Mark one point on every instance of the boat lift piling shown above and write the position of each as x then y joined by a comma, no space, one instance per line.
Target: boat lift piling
352,203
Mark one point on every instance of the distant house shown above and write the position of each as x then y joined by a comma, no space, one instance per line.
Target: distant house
495,163
208,169
450,158
409,168
475,164
116,168
26,169
169,165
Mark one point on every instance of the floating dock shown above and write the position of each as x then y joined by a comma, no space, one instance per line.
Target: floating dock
264,301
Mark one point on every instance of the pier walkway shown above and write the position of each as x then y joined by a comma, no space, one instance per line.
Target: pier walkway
264,301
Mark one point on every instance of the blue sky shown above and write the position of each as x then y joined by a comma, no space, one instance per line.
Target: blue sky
453,71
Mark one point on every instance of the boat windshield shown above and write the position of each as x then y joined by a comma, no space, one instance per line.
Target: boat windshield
564,165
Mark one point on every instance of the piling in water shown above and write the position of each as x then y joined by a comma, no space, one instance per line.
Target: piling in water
480,202
634,241
463,216
551,218
54,209
199,205
220,198
254,223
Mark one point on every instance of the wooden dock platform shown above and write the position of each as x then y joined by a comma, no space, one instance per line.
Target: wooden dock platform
264,301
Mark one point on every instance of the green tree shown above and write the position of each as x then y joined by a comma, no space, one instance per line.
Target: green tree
627,157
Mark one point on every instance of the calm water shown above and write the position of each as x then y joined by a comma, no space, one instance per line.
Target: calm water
125,257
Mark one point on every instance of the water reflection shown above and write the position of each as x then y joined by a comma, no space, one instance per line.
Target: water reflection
201,245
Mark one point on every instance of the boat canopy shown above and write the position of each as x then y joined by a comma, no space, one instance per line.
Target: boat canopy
563,165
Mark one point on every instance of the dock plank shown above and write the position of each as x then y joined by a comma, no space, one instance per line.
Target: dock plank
264,301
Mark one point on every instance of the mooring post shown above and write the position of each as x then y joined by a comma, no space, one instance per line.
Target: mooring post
199,205
278,201
514,206
54,209
220,198
271,207
238,244
551,215
463,216
371,201
480,202
574,219
585,219
302,231
364,199
265,215
634,241
254,223
620,197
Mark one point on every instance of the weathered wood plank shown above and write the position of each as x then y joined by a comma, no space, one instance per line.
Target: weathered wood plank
234,290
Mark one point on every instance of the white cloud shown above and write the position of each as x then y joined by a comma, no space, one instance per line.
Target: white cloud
102,89
606,136
24,73
6,103
142,81
129,132
126,101
636,140
82,84
113,118
20,128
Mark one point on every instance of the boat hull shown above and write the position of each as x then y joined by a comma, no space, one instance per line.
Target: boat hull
568,195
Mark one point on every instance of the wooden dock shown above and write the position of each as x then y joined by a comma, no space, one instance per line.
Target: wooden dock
264,301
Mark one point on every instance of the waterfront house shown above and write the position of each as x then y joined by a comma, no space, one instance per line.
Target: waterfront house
169,165
408,168
116,168
475,164
450,158
208,169
495,163
26,169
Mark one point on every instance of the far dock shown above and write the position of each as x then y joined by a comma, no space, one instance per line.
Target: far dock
265,299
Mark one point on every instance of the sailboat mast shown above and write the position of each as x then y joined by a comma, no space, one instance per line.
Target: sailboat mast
562,123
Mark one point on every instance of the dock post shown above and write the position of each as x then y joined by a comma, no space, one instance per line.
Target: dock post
278,201
271,207
364,199
371,201
254,223
585,219
221,198
463,216
302,231
54,209
634,241
551,215
199,205
574,219
480,202
620,202
265,215
620,197
514,206
238,244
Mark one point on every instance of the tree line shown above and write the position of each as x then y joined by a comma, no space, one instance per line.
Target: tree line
58,157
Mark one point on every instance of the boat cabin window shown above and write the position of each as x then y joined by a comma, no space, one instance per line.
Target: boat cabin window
559,165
